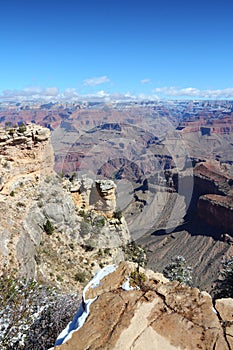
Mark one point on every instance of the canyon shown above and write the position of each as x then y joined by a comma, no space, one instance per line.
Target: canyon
157,164
85,181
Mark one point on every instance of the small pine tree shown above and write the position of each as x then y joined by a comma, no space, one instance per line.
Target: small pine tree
136,254
48,227
178,271
224,284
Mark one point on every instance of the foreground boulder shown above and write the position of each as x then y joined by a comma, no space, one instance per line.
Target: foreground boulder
124,310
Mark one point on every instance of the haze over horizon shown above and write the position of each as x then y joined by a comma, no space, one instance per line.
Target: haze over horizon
116,50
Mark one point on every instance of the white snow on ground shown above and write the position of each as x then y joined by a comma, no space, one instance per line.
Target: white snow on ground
126,285
84,308
214,310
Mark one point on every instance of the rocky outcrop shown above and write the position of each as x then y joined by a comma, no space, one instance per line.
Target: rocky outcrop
124,312
32,195
99,195
217,211
212,178
25,153
107,198
225,311
213,188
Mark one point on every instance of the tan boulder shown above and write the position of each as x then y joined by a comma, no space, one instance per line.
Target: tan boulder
159,315
225,308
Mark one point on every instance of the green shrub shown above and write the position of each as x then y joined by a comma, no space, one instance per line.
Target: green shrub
99,221
107,251
7,125
118,215
32,315
178,270
100,253
135,253
12,193
22,128
82,213
137,278
11,132
80,277
48,227
59,278
21,204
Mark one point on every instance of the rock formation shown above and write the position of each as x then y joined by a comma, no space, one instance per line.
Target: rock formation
25,154
31,195
213,186
98,195
217,211
107,198
124,311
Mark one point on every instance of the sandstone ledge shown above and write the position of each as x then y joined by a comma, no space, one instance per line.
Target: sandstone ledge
160,315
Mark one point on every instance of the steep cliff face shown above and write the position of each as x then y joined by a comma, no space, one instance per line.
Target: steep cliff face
217,211
213,186
150,314
211,177
48,225
25,154
26,159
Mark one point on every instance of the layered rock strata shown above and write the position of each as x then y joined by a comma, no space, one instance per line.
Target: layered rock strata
33,196
214,186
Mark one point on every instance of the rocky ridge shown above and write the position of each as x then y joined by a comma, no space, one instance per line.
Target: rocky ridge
84,233
149,312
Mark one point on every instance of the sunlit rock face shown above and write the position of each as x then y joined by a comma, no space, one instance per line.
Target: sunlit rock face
26,160
150,314
31,194
107,197
99,195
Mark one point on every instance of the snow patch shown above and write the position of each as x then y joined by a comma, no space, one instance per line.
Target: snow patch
126,285
214,310
84,309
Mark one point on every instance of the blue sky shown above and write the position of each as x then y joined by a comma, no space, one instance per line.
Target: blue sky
148,48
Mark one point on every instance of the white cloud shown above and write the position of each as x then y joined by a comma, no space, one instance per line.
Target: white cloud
102,93
145,81
30,93
51,91
194,92
52,94
71,94
96,81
